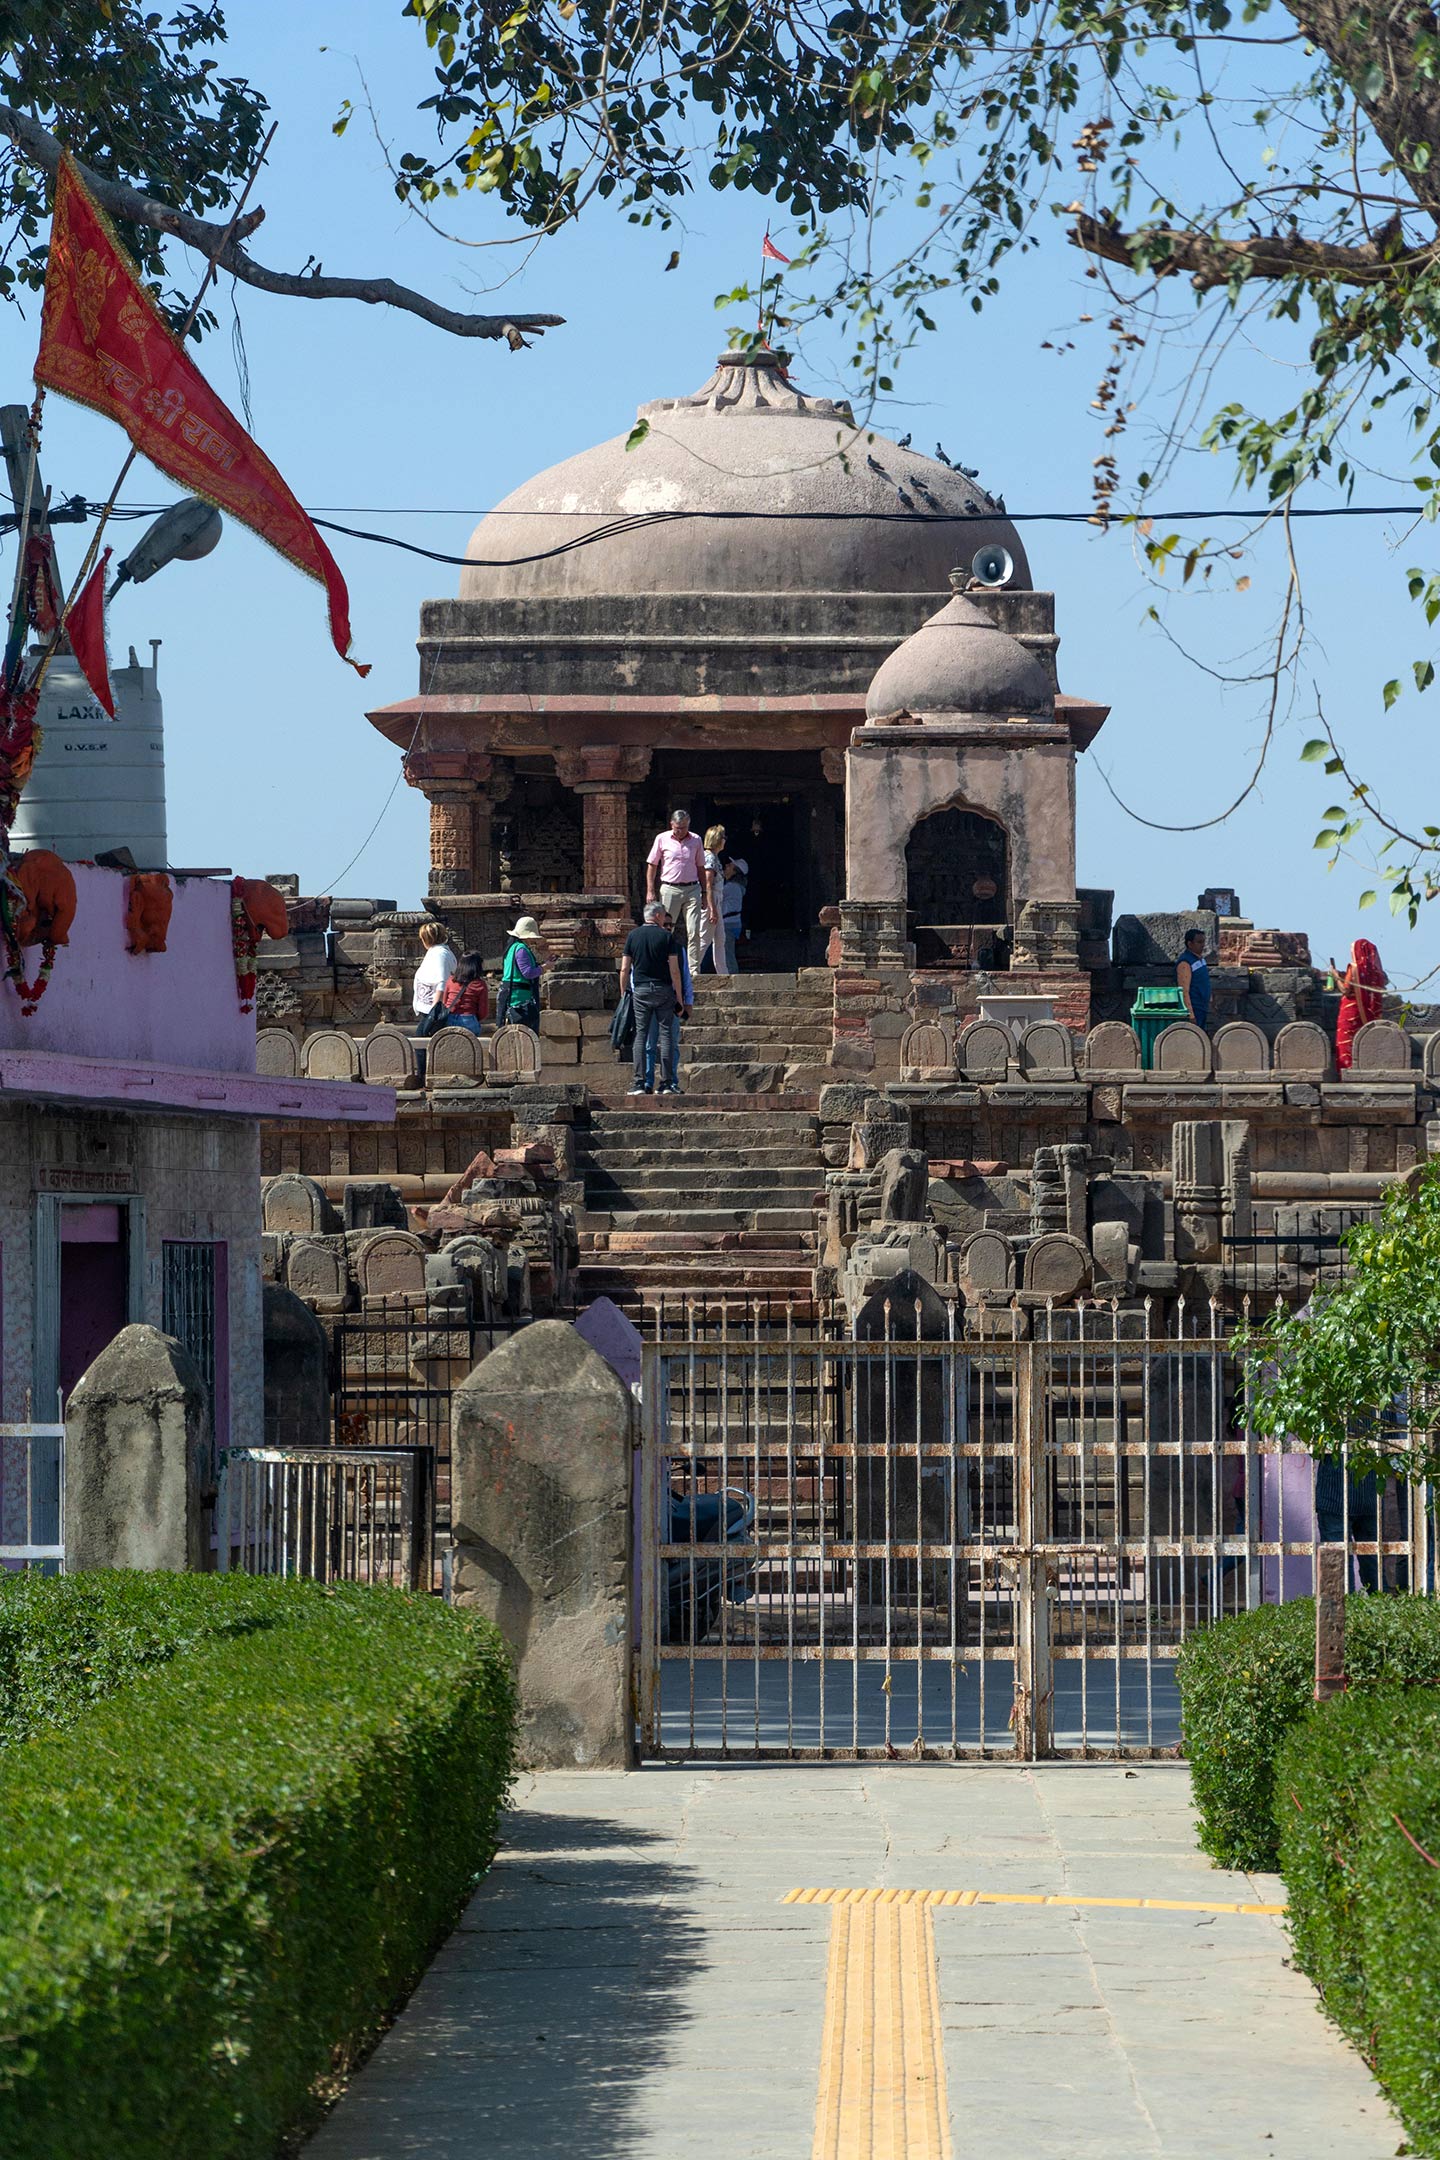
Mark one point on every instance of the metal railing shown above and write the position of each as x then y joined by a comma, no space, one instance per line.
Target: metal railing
362,1515
972,1545
32,1497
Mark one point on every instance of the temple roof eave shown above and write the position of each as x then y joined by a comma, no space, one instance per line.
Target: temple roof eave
518,720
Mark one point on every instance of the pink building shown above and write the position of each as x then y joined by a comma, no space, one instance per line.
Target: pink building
130,1114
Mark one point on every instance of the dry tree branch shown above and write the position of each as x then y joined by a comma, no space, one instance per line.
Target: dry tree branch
1213,261
120,200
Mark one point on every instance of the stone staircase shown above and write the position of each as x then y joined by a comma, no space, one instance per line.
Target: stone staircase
711,1193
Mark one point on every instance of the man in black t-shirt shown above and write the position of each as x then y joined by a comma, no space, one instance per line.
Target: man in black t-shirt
650,971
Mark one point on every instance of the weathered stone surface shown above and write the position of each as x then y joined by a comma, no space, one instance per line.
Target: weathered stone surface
1112,1047
1110,1247
840,1103
330,1055
1432,1061
986,1263
1047,1051
1182,1052
387,1056
277,1054
371,1204
1302,1051
1056,1266
1240,1049
297,1392
1379,1051
295,1203
903,1178
318,1271
542,1432
984,1051
927,1047
137,1457
1199,1180
454,1058
391,1264
1152,941
514,1054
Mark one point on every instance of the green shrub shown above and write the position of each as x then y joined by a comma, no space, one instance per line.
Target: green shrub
68,1641
1245,1682
215,1882
1364,1903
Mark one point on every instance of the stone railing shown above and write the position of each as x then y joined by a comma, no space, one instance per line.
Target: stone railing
387,1057
1184,1055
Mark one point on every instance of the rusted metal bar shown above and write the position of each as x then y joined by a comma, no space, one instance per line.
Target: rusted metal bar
1332,1561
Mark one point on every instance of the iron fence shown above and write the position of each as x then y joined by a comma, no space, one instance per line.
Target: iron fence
32,1498
1292,1252
970,1545
364,1514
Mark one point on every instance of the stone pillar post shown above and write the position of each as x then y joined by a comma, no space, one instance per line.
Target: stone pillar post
1199,1179
452,837
603,775
137,1457
461,788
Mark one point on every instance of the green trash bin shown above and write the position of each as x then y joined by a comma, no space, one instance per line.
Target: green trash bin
1151,1013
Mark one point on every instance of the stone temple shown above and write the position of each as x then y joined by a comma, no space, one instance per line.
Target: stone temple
833,646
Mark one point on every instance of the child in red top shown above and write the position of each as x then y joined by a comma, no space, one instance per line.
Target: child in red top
465,997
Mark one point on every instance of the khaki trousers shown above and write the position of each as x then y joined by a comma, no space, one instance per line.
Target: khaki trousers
685,906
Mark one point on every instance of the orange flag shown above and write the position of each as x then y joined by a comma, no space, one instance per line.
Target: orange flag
85,627
104,342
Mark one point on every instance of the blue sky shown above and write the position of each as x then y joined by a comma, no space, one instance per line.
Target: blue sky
271,763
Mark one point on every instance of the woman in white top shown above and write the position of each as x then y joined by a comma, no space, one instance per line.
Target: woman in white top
712,929
435,969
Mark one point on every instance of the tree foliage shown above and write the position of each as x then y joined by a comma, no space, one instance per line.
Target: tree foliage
1237,164
1360,1367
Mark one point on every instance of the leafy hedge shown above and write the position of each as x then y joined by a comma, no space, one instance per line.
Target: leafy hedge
1245,1682
216,1881
1364,1902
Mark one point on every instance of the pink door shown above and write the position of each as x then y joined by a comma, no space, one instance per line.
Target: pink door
93,1306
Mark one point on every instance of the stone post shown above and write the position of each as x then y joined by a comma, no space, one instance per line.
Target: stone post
461,788
1199,1180
602,775
542,1435
452,837
137,1457
297,1356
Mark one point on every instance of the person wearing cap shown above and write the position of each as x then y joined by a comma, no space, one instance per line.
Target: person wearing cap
519,1003
676,878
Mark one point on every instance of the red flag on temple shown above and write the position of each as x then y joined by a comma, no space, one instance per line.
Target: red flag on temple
769,250
104,342
85,628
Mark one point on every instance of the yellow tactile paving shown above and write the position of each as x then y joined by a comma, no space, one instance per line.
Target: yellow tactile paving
903,1899
882,2072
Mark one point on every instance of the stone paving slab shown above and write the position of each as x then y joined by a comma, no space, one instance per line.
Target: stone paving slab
626,1984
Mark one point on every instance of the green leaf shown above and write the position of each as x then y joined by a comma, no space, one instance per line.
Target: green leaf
1314,750
1392,691
1367,899
1424,673
637,435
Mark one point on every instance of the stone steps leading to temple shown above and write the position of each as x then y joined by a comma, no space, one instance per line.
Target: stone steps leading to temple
710,1201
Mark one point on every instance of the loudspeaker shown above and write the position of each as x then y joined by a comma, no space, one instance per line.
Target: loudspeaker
992,565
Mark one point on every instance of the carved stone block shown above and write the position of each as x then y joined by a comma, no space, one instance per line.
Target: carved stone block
983,1051
1302,1051
1047,1051
391,1264
1182,1052
1240,1049
295,1203
1112,1048
456,1058
514,1055
1380,1050
330,1055
387,1056
277,1054
927,1050
1057,1266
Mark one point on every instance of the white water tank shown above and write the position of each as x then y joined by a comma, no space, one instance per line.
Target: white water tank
97,783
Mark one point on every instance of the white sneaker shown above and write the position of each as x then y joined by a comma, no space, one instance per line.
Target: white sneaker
637,1091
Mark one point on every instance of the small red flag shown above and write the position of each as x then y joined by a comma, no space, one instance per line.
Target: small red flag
769,250
104,342
85,628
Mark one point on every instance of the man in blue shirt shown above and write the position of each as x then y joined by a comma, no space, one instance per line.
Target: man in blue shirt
1192,973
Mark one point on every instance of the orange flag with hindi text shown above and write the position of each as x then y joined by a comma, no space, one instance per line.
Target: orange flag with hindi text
104,342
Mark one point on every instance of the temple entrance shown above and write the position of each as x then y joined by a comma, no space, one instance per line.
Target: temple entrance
957,889
785,820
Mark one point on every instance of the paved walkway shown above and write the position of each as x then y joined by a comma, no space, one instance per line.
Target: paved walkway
628,1983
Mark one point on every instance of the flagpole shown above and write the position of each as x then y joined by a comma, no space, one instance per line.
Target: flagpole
22,530
212,268
760,317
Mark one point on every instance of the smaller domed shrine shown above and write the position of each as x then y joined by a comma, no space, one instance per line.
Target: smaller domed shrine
748,607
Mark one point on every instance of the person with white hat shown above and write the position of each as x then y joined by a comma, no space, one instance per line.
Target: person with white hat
519,1000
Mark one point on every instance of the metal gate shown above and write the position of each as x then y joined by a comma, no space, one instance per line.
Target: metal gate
967,1547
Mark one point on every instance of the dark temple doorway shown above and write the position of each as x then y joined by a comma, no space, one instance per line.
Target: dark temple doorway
957,889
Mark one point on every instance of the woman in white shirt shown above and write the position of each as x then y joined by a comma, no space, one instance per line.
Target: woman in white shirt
435,969
712,931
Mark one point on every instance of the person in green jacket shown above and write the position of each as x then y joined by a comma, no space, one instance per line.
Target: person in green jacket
520,977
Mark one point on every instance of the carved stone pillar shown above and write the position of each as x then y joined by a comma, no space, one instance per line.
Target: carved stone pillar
603,775
452,837
461,788
1198,1165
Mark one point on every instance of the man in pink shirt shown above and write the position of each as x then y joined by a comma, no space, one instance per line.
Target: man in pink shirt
676,876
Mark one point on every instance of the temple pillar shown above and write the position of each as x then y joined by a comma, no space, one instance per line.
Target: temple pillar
452,838
461,789
602,775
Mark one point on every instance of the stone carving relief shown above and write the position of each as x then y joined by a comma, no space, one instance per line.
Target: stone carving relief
1241,1051
295,1203
391,1264
983,1051
1047,1051
1112,1048
277,1054
329,1055
1302,1051
1380,1049
1182,1050
514,1054
927,1050
456,1059
318,1273
1056,1266
987,1266
387,1056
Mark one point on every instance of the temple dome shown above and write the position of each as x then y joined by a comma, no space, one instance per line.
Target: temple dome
797,497
960,661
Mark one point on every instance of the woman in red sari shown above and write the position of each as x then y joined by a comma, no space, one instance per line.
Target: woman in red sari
1360,989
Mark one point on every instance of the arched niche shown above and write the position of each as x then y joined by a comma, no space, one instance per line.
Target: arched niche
957,868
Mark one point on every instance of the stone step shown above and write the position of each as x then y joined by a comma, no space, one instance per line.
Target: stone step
707,1022
741,1276
644,1109
770,1223
727,1046
705,1245
732,1185
699,1161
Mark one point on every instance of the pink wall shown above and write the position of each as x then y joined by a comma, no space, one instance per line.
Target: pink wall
180,1007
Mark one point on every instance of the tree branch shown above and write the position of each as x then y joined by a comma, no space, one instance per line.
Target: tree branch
119,200
1212,261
